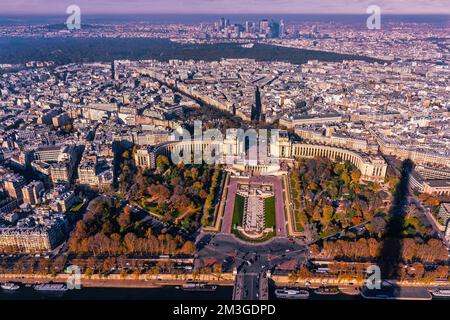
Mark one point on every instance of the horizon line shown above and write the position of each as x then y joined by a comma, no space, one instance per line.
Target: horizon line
223,14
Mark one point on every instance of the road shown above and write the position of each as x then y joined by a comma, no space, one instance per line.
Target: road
251,258
246,287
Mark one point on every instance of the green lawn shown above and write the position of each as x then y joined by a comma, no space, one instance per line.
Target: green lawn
238,217
238,212
77,207
269,204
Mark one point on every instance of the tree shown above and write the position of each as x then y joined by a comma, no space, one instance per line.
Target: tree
149,233
378,224
108,264
217,270
203,194
345,177
90,264
442,272
310,231
374,247
409,249
314,248
162,162
355,175
89,272
124,219
432,202
194,173
327,213
419,270
130,242
188,248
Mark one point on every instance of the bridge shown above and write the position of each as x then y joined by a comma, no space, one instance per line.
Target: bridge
251,286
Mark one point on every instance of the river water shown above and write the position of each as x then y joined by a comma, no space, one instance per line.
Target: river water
164,293
161,294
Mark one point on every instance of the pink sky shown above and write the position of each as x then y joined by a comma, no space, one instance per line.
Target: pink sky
224,6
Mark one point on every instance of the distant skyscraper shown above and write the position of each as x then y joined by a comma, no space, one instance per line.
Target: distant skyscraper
248,26
217,26
114,71
274,29
282,29
264,26
222,23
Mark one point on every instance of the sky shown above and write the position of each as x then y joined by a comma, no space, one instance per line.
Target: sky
56,7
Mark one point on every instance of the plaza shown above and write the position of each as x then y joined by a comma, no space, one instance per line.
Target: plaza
254,208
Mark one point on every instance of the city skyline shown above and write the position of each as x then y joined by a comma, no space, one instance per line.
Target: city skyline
52,7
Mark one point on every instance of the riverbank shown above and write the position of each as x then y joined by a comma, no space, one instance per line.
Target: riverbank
121,281
122,294
224,279
285,280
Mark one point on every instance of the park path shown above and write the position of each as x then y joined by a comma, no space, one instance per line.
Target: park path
229,206
279,208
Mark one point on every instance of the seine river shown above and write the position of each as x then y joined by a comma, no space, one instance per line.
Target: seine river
164,293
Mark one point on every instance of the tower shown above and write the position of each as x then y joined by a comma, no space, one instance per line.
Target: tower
114,71
274,29
264,26
282,29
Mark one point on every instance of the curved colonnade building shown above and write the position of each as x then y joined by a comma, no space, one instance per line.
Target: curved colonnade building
372,167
